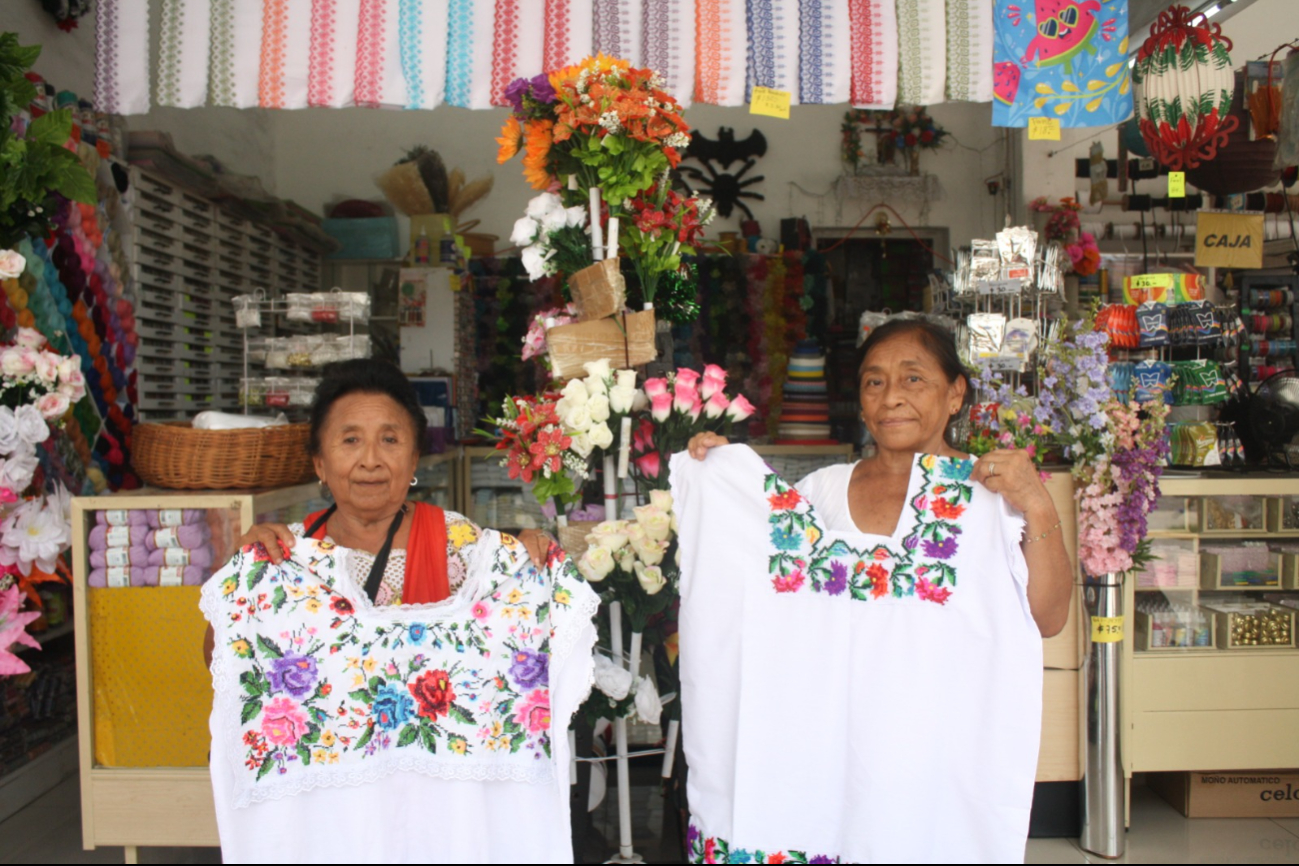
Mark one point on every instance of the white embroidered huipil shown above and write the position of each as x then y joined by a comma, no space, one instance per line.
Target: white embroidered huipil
343,732
850,697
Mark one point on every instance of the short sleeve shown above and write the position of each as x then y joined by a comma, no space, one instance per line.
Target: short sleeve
1013,523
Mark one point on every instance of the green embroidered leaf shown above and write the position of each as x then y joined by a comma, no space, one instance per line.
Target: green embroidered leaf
362,695
278,598
265,768
269,648
304,753
796,856
409,734
251,683
365,738
517,741
250,711
375,682
460,714
255,574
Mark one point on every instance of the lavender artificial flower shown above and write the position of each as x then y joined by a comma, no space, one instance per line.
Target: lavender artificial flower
514,93
542,91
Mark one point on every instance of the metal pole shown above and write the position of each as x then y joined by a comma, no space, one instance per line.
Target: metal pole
626,850
1103,785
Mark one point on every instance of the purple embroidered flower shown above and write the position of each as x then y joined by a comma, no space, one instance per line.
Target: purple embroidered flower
910,542
692,834
940,549
821,858
293,674
838,578
530,669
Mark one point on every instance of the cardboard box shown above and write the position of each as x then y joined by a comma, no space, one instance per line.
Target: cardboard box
1231,794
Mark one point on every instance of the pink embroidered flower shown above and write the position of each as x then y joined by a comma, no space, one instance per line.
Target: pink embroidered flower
929,592
791,582
533,712
786,501
481,610
283,722
710,855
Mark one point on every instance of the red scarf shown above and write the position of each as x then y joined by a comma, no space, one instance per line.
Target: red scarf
426,554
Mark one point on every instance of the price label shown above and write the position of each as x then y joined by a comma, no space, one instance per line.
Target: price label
1043,129
1005,364
1152,281
1107,629
771,103
454,282
325,315
1177,184
999,287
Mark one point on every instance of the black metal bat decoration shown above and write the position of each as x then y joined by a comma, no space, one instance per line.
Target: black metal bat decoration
724,187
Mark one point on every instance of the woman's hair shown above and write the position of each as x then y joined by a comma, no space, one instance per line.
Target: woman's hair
937,341
364,376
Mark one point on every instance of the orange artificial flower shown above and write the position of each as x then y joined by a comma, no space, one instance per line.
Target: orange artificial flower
511,134
537,141
603,64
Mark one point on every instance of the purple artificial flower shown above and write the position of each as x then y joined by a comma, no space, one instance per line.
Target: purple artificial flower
541,89
293,674
514,93
944,549
838,578
530,669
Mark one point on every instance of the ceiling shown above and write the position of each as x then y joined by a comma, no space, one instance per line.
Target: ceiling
1142,13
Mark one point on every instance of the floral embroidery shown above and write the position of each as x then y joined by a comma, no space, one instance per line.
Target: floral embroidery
712,849
336,686
461,532
919,569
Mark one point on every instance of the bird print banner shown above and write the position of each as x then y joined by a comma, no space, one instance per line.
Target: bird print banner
1061,59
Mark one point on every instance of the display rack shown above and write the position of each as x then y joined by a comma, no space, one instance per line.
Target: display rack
189,257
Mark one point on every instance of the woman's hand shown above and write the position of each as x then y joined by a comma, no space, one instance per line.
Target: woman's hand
1013,474
537,543
275,537
701,442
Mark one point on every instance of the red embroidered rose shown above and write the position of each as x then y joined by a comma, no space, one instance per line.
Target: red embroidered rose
786,501
945,510
879,580
342,606
433,693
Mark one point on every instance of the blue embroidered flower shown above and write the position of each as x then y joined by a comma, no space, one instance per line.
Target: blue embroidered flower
739,855
957,470
416,633
786,539
393,706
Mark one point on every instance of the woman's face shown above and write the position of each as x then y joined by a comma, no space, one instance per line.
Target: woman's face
368,454
906,400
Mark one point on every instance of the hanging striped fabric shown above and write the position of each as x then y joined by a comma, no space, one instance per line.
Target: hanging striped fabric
234,69
285,54
969,50
568,28
668,44
616,29
825,52
122,56
331,69
721,51
518,43
773,46
470,25
422,30
184,35
922,49
874,53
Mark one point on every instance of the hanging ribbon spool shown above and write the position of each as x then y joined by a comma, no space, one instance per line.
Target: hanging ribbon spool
1241,165
1184,84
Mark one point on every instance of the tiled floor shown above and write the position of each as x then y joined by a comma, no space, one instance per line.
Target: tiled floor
49,831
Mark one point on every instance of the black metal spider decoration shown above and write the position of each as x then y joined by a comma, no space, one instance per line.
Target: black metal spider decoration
724,187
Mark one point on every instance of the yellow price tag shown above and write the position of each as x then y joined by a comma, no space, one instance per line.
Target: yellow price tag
1107,629
1043,129
772,103
1177,184
454,283
1153,281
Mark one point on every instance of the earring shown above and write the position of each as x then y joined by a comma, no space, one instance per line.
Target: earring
324,489
414,481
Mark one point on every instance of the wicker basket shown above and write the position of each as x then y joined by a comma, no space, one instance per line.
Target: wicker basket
573,537
176,456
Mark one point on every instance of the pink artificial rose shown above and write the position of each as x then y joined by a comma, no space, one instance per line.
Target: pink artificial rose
714,381
696,408
686,395
649,464
7,496
532,712
687,377
53,406
17,361
740,408
29,337
655,387
283,722
661,407
46,366
716,405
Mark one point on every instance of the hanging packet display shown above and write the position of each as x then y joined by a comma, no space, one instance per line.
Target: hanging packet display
1151,381
1118,376
1152,325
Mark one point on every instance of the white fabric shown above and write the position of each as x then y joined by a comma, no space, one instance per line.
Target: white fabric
471,28
922,51
875,54
969,50
773,46
568,34
616,29
822,718
825,53
669,45
721,51
236,53
184,36
331,81
423,28
122,56
519,45
407,714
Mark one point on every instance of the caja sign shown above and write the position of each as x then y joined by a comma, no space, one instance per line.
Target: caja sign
1228,240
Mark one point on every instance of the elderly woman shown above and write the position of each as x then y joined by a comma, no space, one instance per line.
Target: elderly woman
911,384
367,434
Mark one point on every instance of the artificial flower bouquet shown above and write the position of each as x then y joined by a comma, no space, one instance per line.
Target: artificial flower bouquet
663,225
681,405
552,239
1064,226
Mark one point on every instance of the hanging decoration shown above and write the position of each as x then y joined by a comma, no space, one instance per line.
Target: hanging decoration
1064,60
66,12
725,187
903,131
1184,78
773,47
1241,165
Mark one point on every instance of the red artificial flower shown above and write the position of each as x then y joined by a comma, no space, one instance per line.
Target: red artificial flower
927,136
649,464
521,466
548,450
910,139
433,693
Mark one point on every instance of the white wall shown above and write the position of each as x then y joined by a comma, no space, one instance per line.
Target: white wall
242,140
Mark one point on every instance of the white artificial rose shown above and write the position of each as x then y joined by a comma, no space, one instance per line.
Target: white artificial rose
639,402
626,559
581,445
12,264
578,419
68,366
554,221
47,367
621,400
17,361
612,679
601,436
29,337
18,470
596,564
53,406
661,499
9,439
535,261
562,407
525,232
575,392
599,408
597,370
657,523
32,427
542,205
575,216
635,534
626,379
73,385
611,534
650,552
650,578
649,706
